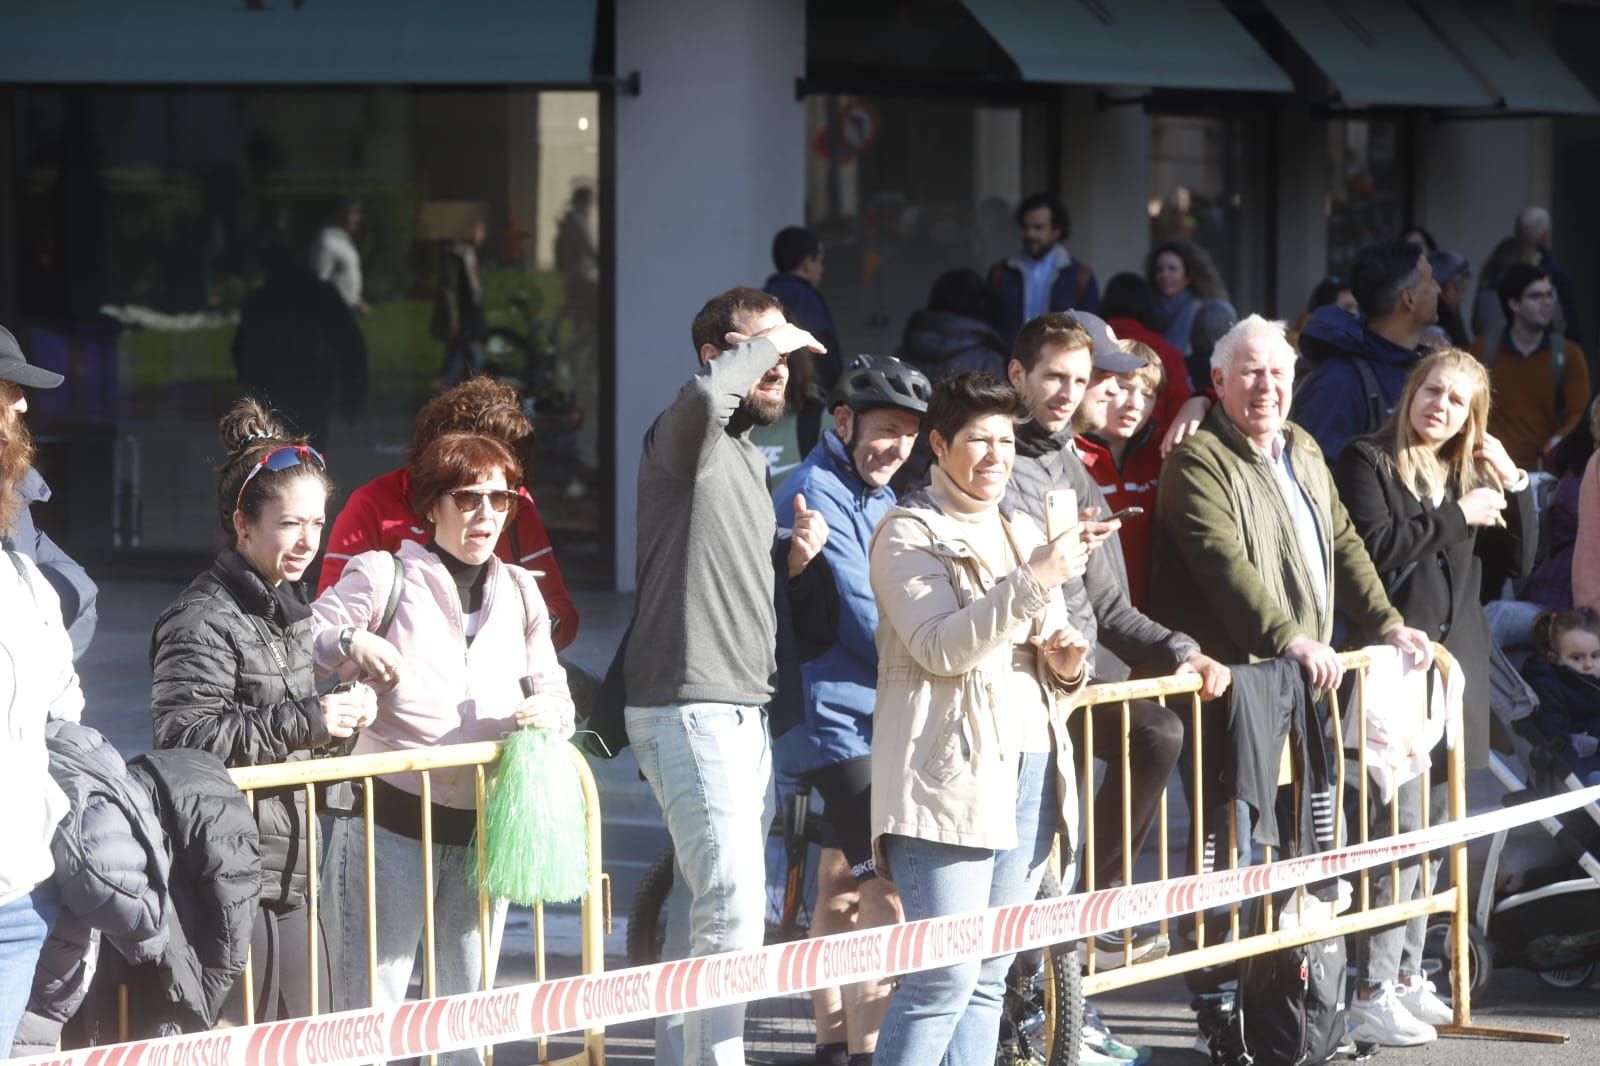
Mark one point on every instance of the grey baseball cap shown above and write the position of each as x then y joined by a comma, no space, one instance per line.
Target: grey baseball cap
14,366
1105,352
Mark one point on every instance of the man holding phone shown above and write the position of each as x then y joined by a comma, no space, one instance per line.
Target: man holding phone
1061,364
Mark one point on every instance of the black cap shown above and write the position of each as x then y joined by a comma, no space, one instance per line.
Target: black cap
15,367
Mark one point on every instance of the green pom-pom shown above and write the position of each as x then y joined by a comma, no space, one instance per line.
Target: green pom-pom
537,844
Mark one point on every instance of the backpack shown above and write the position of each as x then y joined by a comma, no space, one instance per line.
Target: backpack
1371,391
1558,367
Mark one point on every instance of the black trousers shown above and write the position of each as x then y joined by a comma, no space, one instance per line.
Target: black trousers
280,965
1155,737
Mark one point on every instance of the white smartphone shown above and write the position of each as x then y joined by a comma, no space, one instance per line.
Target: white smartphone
1060,512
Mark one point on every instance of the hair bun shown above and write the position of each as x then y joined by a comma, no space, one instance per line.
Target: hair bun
248,423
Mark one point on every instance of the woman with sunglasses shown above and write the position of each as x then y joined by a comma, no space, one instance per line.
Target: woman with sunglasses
231,659
466,657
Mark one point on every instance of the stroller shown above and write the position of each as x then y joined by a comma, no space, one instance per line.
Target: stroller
1536,897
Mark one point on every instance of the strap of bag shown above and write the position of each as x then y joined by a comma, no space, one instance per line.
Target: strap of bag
23,572
393,603
1558,372
1374,394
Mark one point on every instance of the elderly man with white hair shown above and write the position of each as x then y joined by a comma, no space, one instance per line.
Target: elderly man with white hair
1253,547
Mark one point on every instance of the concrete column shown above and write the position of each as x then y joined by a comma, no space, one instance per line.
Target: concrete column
1105,177
709,165
1302,176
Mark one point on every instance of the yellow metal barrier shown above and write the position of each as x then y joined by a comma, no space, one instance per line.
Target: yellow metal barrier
1239,944
307,775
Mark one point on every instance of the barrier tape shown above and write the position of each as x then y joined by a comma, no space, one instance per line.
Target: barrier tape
523,1012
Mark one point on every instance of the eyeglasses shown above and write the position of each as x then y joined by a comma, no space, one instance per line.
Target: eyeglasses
280,459
469,500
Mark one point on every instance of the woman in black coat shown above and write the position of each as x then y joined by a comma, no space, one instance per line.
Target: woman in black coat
1419,492
232,666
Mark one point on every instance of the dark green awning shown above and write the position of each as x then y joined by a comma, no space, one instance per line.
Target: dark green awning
297,41
1161,44
1498,41
1379,52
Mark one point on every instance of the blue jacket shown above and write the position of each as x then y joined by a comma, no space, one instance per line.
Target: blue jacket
1068,292
841,684
808,310
1331,402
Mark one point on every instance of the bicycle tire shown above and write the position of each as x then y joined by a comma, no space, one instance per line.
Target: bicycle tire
1062,993
647,909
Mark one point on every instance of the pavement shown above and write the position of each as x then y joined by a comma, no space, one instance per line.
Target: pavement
116,681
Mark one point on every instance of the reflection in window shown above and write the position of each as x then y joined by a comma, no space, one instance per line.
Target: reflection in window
1366,186
902,190
1194,187
456,231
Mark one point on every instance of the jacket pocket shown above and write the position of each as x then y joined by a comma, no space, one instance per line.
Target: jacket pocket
952,752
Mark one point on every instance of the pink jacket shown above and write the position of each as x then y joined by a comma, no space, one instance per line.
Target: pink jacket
450,693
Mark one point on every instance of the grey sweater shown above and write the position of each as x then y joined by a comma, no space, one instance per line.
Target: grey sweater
1097,603
704,624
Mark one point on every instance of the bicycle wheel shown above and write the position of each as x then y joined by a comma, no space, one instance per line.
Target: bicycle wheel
777,1032
1043,1008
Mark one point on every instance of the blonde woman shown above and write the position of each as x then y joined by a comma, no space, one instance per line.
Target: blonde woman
1419,493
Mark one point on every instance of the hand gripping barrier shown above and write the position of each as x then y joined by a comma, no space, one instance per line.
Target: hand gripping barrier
593,1000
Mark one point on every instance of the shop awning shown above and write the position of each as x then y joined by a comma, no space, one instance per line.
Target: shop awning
1379,52
297,41
1498,41
1161,44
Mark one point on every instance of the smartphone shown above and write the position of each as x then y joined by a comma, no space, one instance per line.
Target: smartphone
1060,512
1126,512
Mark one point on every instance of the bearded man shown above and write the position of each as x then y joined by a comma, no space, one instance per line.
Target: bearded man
701,661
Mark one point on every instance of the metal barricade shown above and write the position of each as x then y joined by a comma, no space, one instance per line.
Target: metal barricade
1237,942
308,775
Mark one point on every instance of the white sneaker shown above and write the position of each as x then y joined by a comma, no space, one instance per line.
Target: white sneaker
1383,1019
1422,1000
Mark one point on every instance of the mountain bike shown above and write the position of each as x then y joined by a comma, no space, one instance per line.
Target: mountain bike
1042,1013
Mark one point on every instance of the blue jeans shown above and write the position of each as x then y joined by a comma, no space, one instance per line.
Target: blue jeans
24,924
458,943
952,1014
710,767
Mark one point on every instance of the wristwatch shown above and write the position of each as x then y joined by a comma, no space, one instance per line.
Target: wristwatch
347,641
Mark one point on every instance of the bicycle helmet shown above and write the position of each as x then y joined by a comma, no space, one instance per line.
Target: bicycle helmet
873,381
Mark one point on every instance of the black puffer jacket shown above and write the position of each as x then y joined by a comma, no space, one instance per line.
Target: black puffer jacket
943,343
231,659
159,860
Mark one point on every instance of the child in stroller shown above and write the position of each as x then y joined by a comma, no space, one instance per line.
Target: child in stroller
1565,674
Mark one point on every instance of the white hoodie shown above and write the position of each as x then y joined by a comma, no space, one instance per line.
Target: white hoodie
37,682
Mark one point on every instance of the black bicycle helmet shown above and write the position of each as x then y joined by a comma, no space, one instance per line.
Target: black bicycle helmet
873,381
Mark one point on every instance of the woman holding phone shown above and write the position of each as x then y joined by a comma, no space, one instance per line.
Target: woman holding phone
467,657
1426,493
972,774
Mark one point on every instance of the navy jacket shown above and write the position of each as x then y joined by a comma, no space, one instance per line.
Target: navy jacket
1331,403
76,590
1569,702
1068,292
840,686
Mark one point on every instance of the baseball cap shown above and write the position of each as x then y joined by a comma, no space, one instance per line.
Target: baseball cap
1104,350
15,367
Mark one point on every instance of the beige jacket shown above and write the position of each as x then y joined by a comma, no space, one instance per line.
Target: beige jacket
944,767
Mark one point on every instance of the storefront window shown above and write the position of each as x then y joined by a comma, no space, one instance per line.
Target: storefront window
1195,189
903,190
1366,189
166,244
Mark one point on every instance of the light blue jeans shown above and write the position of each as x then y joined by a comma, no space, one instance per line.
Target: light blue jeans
24,924
952,1015
458,950
710,767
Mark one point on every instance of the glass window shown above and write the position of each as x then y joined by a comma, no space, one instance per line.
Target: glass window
1195,189
171,251
904,189
1366,189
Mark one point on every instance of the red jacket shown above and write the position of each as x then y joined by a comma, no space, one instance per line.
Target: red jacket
378,517
1132,486
1176,389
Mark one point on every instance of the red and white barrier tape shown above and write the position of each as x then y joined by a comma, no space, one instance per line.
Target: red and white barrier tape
522,1012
